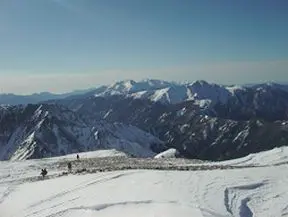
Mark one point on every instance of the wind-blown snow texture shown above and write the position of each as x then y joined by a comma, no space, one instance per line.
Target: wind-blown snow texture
240,191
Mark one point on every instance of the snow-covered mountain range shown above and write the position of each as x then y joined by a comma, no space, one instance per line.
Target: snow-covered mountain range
166,92
187,127
37,131
201,92
154,90
199,119
268,101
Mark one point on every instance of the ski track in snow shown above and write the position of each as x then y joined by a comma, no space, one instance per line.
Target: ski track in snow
8,190
81,186
106,206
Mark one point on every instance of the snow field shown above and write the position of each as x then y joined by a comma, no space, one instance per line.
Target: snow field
243,191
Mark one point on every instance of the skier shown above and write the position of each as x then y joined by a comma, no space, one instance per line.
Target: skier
44,172
78,158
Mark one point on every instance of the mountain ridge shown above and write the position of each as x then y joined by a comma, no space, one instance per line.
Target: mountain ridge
37,131
199,119
204,93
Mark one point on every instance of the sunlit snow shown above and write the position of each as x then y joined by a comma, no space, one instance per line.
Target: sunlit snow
252,186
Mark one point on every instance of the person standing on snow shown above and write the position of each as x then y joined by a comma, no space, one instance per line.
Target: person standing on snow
69,167
44,172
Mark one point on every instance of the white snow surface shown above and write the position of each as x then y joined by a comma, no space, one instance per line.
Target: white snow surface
170,153
91,154
273,157
242,192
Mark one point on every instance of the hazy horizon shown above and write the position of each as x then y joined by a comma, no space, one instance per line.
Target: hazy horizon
136,80
63,45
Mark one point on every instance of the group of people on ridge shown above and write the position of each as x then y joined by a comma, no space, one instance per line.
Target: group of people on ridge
44,172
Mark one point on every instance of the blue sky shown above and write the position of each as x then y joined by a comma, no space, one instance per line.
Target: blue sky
93,42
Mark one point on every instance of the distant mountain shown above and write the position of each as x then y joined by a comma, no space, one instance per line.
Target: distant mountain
201,92
37,131
187,127
268,102
198,119
12,99
265,101
272,85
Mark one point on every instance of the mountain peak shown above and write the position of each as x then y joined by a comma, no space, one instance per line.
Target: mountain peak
200,82
127,82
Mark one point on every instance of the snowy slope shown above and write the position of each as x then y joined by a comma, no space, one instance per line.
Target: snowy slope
130,86
173,94
90,154
245,192
223,131
204,94
167,92
38,131
272,157
170,153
